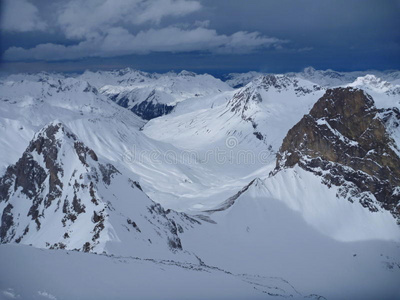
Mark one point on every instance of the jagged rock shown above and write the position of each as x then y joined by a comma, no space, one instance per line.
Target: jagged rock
344,140
7,222
39,173
62,184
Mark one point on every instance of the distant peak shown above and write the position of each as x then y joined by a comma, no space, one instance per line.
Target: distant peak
128,70
272,78
276,81
187,73
309,70
371,81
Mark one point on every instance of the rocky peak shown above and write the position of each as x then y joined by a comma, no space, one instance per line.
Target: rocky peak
50,138
344,140
277,81
59,185
39,175
248,100
253,91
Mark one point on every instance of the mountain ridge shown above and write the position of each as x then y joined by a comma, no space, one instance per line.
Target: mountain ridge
199,192
72,188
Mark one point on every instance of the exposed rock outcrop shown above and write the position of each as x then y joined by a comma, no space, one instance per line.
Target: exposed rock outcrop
345,140
60,195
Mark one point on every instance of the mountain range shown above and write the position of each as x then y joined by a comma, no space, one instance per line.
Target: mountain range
186,186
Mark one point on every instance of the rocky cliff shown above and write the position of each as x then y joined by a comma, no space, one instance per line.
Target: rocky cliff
347,140
60,194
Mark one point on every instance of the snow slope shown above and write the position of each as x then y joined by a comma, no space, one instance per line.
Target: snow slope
269,105
110,130
116,277
251,125
153,95
235,139
279,226
332,215
175,87
27,105
61,195
385,94
209,158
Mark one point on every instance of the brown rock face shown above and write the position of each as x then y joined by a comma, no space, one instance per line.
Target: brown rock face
344,140
43,184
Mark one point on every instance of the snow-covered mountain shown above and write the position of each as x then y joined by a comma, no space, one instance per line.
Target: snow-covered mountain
28,105
344,140
257,116
282,187
61,195
376,86
333,78
238,80
302,232
325,78
153,95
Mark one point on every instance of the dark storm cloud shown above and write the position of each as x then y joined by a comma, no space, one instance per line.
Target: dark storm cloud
103,28
232,35
320,23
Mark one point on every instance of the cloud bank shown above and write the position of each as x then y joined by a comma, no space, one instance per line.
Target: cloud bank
21,16
108,28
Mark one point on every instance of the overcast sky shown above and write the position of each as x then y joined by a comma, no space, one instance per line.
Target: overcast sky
215,36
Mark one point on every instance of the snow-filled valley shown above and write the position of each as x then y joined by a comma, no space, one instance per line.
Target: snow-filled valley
126,184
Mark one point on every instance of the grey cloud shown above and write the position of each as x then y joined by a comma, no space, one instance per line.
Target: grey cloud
247,42
118,41
21,16
204,23
83,19
105,28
